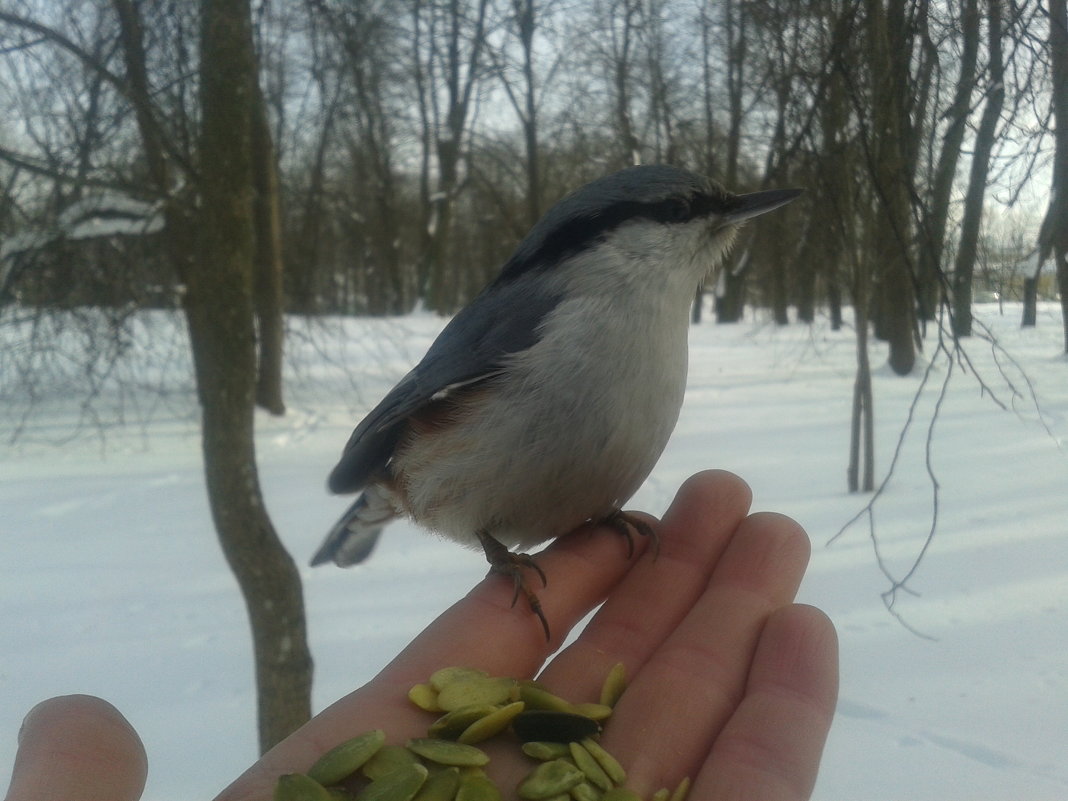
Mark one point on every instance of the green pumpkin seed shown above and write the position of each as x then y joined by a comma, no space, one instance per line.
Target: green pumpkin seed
440,785
425,697
544,751
445,676
478,690
493,723
343,760
538,698
584,791
663,794
477,788
614,685
298,787
387,759
593,711
452,724
682,790
446,752
621,794
588,765
549,779
607,762
400,785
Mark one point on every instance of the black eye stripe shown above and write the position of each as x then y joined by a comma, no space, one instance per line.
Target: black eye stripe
585,231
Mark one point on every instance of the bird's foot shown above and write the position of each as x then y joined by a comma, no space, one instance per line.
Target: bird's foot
626,523
512,564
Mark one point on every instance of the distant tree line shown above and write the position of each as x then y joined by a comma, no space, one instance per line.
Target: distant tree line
417,140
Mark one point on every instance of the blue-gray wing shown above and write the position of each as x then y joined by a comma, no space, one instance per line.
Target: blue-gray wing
504,319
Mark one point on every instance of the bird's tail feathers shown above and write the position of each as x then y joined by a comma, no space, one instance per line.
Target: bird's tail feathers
354,536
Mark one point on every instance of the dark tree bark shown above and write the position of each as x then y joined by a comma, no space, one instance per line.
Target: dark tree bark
1030,302
268,267
525,24
460,65
937,212
1057,217
220,311
730,289
893,303
964,267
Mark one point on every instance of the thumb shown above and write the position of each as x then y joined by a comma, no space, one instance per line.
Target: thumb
77,748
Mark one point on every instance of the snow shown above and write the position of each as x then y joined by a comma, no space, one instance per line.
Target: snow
112,582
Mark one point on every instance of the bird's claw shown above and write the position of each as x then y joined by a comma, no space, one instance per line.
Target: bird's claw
512,564
624,523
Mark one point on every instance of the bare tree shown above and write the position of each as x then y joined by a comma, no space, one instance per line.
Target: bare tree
448,38
205,207
964,268
936,212
890,171
1056,223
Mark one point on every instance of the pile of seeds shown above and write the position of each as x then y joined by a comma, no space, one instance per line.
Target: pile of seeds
561,737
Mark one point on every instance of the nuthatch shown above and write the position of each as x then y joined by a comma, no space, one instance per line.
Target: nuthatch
545,403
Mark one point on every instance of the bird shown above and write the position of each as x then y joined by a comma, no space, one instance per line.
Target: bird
545,403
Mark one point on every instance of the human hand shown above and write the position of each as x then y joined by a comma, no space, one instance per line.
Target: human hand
730,682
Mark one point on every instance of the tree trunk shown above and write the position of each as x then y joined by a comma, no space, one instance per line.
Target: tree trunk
964,268
894,306
937,212
1057,222
220,312
267,266
1030,302
861,477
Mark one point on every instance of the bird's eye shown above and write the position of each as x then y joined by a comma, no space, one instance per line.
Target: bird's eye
679,211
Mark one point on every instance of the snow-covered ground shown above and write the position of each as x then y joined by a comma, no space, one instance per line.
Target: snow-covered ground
111,581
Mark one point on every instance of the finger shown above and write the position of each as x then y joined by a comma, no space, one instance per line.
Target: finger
682,697
482,630
771,747
78,748
658,592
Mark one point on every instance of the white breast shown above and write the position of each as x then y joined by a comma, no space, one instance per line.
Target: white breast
571,430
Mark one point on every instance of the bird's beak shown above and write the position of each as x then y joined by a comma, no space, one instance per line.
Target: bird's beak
756,203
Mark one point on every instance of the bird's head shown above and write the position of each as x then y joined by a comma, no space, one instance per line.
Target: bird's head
654,213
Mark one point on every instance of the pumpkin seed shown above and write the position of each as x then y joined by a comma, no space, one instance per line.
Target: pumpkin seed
446,752
440,785
477,788
621,794
387,759
493,723
478,690
682,790
584,791
452,724
663,794
439,679
614,685
425,697
538,698
588,765
593,711
298,787
400,785
556,727
343,760
549,779
544,751
607,762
